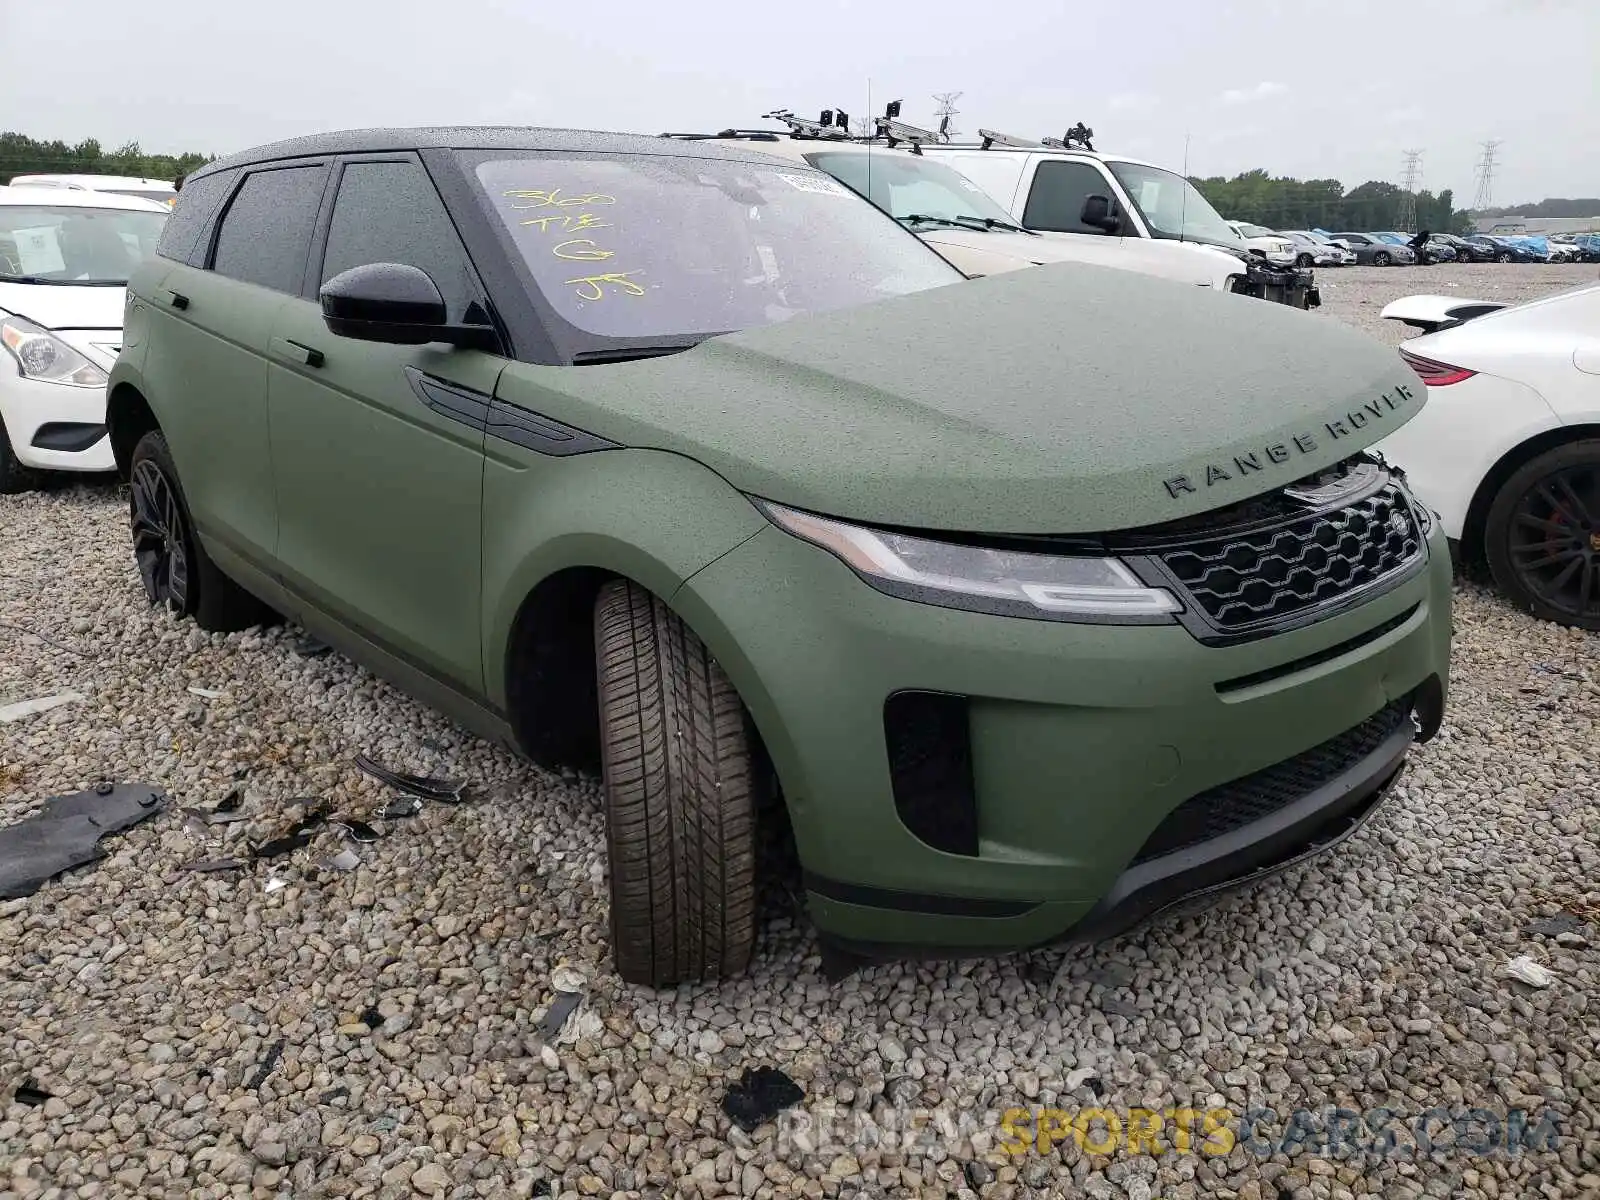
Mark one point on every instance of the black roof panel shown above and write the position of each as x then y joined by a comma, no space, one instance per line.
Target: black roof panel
477,137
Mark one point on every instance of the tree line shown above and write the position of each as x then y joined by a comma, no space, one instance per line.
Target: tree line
22,155
1280,202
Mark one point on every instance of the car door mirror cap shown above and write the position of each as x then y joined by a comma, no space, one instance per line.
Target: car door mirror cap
397,304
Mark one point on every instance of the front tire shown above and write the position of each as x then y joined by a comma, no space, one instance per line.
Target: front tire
1303,260
14,477
677,761
1503,257
1381,259
1542,536
174,568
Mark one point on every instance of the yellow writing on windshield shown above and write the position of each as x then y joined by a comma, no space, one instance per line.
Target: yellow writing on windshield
593,287
576,249
552,198
569,250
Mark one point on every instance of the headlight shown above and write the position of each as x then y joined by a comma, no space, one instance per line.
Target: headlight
43,356
1006,582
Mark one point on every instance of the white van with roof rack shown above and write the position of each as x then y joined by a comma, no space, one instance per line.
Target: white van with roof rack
1115,210
159,190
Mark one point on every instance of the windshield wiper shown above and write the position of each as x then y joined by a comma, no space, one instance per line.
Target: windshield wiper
966,221
627,354
924,219
997,223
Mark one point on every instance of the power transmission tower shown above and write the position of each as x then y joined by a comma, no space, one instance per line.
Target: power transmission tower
1412,174
1485,175
947,112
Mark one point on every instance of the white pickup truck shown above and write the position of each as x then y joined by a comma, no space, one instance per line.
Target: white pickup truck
1118,211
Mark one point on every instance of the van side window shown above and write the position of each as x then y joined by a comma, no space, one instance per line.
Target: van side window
1055,202
266,232
390,212
191,216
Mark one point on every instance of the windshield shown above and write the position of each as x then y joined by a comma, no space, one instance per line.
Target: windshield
1172,206
1250,230
75,245
653,246
906,186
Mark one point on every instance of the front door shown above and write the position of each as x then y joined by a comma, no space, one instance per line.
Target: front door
378,449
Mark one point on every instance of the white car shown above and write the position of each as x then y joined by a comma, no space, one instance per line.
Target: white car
956,217
1507,448
1312,249
65,256
1278,248
158,190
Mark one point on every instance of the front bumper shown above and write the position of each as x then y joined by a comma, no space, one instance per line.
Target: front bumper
1082,741
54,427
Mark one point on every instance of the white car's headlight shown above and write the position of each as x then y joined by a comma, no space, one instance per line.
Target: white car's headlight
1007,582
41,355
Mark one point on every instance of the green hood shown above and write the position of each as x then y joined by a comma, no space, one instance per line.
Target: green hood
1059,399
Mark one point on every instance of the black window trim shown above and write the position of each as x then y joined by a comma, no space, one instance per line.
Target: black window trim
319,235
261,168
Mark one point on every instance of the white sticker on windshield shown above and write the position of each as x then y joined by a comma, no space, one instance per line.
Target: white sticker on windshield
1150,194
819,185
970,186
38,251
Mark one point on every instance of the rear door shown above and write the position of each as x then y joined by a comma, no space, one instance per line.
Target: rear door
378,449
206,368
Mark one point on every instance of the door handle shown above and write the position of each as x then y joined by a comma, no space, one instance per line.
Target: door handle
175,299
295,351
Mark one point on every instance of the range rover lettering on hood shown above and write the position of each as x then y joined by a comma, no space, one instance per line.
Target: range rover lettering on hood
1280,452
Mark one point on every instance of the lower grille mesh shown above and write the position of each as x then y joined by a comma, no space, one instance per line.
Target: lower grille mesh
1228,806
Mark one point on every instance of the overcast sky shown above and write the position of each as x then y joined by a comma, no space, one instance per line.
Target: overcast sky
1299,87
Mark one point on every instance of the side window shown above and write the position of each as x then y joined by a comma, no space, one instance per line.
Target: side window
1055,202
191,216
390,212
266,232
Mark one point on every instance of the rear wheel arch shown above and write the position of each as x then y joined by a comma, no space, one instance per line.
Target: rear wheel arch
1474,526
128,417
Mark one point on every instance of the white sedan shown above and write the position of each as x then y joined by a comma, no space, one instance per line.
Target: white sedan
65,256
1507,448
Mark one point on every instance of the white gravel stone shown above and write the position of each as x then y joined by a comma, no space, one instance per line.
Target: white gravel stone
406,993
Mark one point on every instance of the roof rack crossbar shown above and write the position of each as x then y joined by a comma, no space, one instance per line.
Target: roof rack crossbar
993,138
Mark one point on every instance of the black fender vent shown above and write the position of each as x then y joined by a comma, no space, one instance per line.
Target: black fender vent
930,767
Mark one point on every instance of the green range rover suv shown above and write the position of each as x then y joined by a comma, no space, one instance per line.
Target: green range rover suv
1037,603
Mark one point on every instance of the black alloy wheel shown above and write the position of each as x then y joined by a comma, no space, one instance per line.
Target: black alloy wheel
160,537
1544,535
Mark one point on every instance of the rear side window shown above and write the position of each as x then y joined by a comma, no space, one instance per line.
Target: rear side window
191,215
266,232
1055,202
390,212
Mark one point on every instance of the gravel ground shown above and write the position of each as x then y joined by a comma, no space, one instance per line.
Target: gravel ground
376,1032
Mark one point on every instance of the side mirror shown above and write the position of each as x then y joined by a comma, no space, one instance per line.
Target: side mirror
1100,213
396,304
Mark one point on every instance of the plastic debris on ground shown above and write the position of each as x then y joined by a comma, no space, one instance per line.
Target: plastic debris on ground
23,709
311,647
355,830
759,1096
555,1017
31,1094
67,831
345,860
1525,970
267,1064
445,791
400,807
275,884
207,693
207,865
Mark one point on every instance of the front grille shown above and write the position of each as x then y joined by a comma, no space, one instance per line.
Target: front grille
1222,809
1262,577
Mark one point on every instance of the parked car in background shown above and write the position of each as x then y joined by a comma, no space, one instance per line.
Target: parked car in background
1312,250
1274,245
1507,448
159,190
1504,249
65,258
1371,250
787,514
1439,250
1467,251
1588,246
1563,250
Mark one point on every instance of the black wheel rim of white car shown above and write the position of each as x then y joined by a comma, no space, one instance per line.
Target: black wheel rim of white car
159,545
1555,540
